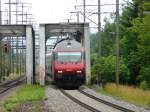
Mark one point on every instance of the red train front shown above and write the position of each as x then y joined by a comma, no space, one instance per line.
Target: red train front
68,63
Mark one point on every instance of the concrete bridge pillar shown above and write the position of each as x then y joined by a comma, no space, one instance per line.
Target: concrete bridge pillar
29,55
42,55
87,53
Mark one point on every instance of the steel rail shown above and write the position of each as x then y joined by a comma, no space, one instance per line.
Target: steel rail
10,84
79,102
105,102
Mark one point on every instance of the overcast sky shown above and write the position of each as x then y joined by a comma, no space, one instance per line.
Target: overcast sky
48,11
58,10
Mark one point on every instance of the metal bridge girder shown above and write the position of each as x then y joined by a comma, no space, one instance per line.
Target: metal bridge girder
19,31
57,28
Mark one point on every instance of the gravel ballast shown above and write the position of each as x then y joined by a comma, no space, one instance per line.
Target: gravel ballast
57,102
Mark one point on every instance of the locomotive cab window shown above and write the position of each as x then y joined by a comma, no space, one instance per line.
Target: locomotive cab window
69,56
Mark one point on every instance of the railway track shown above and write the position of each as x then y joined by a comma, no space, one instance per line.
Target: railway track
106,102
90,103
79,102
4,87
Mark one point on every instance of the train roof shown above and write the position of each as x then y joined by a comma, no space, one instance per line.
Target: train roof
68,45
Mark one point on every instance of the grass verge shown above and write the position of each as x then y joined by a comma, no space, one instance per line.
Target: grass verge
131,94
25,93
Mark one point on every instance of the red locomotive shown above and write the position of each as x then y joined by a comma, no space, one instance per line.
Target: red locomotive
68,63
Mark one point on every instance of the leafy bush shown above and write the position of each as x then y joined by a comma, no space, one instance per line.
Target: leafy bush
104,67
144,77
143,85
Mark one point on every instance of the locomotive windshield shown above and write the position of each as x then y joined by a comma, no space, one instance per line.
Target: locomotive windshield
69,56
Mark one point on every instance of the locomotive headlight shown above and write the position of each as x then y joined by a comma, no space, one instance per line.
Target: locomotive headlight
79,71
59,71
68,46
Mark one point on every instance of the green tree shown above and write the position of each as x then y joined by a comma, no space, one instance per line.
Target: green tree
134,46
144,76
105,69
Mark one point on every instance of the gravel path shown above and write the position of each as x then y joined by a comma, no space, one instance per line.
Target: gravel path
116,101
57,102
